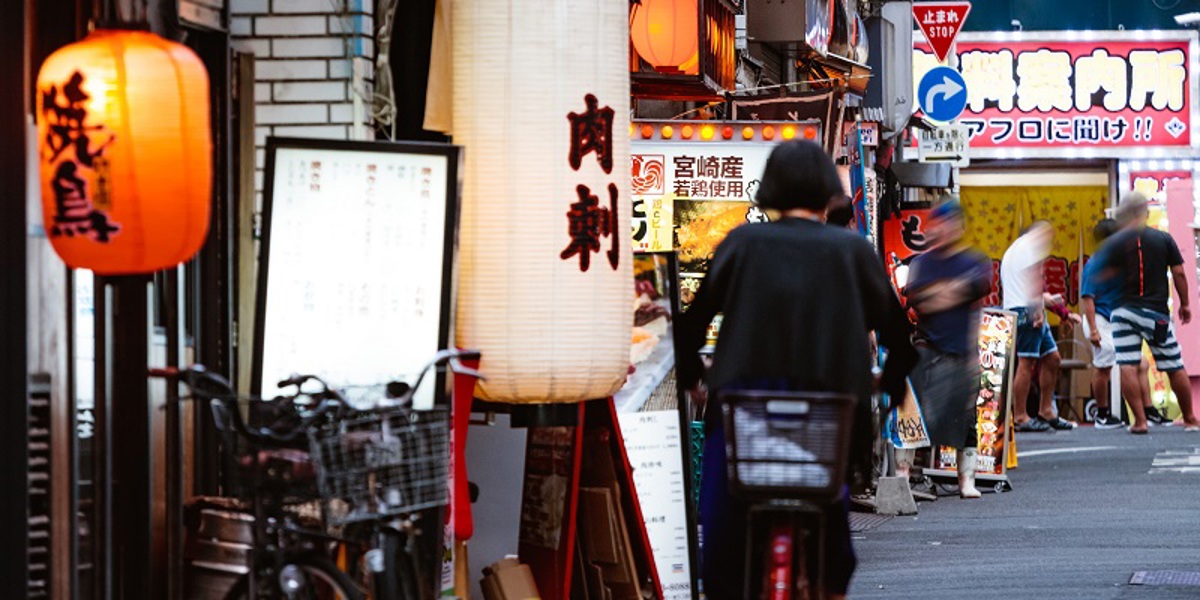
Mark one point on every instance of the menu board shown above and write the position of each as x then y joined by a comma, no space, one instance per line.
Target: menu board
655,449
355,269
997,354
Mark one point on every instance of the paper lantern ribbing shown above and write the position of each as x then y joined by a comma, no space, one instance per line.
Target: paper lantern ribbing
541,104
125,152
666,34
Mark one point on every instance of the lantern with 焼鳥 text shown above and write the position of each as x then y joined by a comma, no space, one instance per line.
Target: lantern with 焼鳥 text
541,105
125,152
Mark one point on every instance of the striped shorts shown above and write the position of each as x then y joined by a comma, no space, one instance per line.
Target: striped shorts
1132,325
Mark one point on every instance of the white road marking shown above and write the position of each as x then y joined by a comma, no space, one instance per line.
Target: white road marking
1176,461
1064,451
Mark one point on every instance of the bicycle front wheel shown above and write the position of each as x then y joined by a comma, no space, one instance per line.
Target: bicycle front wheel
322,581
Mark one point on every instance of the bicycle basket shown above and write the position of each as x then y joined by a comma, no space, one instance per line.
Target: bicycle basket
787,445
382,464
250,468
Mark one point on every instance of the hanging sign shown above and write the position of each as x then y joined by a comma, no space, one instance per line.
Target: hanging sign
947,144
941,22
1112,94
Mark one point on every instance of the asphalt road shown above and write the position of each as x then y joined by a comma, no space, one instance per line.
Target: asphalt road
1084,515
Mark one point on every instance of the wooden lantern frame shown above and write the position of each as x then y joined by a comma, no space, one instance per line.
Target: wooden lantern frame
716,33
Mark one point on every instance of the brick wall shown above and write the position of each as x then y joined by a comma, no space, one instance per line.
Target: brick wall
313,65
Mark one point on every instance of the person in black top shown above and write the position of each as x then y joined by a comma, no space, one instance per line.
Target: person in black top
945,287
798,300
1140,257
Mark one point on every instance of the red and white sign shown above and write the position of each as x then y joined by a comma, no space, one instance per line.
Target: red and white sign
1112,94
941,22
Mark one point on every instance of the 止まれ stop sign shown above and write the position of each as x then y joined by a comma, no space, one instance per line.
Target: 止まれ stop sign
941,22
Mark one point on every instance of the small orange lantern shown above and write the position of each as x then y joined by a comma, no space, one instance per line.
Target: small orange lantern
666,34
125,152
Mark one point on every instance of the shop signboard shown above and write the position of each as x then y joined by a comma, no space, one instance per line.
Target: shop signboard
357,247
694,182
1095,94
905,235
997,358
945,144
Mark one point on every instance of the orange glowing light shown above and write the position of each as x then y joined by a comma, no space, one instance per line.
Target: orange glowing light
748,133
727,132
789,132
707,132
666,34
810,133
647,131
667,132
768,133
687,131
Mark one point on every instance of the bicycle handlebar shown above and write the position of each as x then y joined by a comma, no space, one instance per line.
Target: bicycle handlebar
210,386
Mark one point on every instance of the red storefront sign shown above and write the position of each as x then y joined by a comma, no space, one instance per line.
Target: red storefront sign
1071,94
941,22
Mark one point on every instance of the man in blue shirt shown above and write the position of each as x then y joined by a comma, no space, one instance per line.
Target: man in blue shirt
945,287
1100,296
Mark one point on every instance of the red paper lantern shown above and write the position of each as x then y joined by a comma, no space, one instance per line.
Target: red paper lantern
125,152
665,33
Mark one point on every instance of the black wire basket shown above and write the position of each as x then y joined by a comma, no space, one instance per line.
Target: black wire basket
382,464
787,445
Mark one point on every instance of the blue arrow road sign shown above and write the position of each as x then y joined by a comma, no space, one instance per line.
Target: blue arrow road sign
942,94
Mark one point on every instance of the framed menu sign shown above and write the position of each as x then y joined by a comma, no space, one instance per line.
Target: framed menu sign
356,267
997,361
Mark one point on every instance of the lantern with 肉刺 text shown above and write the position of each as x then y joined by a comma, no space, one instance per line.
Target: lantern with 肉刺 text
125,152
541,106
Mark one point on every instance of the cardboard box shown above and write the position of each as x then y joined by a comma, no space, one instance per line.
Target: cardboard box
508,579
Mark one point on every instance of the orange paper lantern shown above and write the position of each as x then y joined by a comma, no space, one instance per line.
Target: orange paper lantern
665,33
125,152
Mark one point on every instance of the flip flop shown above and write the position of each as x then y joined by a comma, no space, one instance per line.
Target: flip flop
1060,424
1033,425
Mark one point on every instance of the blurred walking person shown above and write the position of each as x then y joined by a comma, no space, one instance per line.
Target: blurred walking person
799,299
1021,277
945,287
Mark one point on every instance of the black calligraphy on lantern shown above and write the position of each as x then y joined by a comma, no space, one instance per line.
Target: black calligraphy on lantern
73,148
588,222
591,131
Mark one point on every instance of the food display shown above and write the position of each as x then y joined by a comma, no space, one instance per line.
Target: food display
651,352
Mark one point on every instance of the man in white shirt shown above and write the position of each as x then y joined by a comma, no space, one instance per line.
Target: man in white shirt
1022,282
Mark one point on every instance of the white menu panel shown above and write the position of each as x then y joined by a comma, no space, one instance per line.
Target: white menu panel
356,266
655,449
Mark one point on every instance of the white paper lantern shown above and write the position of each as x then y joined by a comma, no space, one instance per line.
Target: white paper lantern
543,294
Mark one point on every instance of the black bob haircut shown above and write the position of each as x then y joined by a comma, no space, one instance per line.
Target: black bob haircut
840,211
799,175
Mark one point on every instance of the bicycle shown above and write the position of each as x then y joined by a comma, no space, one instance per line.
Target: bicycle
787,454
372,471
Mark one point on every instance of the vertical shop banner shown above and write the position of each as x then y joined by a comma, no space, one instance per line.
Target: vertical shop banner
906,423
1063,94
997,345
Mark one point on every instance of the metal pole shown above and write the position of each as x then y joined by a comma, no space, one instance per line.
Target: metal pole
15,46
130,442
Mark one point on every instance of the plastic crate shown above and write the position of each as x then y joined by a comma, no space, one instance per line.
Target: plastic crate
787,445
